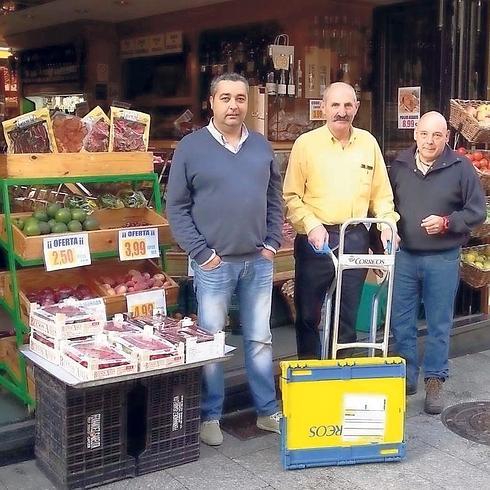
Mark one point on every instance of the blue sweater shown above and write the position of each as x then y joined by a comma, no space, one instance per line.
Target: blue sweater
451,188
219,200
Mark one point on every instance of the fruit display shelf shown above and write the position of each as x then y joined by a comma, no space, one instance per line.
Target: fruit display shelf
470,117
102,242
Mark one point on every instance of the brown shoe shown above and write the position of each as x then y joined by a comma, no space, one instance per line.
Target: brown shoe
433,396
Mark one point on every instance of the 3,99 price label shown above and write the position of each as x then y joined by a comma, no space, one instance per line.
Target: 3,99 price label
147,303
66,251
136,244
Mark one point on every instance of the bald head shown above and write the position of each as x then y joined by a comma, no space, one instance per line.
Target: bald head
339,88
431,136
433,118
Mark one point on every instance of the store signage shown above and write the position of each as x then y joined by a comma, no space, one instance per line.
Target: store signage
66,251
154,45
316,110
147,303
138,243
408,107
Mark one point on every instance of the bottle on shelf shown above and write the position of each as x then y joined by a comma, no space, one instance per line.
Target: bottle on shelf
271,83
299,81
282,84
291,89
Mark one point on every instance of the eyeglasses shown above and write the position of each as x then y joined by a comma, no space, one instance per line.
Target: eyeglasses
434,136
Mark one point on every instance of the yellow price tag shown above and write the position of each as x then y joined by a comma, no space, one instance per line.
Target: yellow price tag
60,258
135,244
142,309
134,248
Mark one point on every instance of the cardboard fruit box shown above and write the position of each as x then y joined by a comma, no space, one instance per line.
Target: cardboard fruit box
103,240
116,269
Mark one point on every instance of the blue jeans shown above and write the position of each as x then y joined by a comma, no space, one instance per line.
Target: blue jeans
252,281
434,278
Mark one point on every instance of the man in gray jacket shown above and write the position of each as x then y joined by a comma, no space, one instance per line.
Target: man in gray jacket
225,210
440,199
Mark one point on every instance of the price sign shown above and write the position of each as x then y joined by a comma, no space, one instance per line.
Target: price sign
66,251
147,303
136,244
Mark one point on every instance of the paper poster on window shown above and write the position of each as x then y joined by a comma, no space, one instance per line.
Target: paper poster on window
408,107
316,110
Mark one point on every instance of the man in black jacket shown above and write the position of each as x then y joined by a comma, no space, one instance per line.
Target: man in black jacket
440,199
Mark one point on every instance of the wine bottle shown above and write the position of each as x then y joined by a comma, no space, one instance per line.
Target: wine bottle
299,81
291,89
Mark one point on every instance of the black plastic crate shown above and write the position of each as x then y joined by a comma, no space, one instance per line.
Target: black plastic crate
173,415
81,434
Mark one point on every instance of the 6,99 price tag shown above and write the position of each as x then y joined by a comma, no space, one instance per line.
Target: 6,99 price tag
138,244
66,251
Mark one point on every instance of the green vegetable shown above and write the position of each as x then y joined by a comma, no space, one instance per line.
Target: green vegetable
132,199
110,201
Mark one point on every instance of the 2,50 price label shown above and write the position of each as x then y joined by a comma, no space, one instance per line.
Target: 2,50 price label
138,244
66,251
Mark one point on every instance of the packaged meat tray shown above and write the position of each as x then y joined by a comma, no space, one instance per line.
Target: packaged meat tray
46,347
68,320
150,351
69,132
98,129
157,322
199,344
95,359
119,325
30,133
130,130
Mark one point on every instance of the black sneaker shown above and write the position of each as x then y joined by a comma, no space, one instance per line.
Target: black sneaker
433,396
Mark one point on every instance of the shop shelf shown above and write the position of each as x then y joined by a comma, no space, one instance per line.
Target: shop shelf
25,166
172,420
81,434
103,241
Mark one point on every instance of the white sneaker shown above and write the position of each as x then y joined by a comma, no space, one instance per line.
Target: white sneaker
211,433
270,422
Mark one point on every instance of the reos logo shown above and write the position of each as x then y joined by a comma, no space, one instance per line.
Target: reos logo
325,430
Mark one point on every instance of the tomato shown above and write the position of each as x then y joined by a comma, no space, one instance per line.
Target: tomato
478,155
461,150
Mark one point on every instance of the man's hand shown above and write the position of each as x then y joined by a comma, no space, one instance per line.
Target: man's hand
267,254
386,236
212,264
318,237
433,224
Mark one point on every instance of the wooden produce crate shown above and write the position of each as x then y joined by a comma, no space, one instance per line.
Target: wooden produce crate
36,278
467,124
475,277
103,240
114,268
36,165
177,262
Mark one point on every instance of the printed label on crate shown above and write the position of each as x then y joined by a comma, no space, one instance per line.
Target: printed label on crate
136,244
364,417
94,431
147,303
66,251
178,409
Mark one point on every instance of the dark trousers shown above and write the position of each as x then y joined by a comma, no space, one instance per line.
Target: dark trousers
314,274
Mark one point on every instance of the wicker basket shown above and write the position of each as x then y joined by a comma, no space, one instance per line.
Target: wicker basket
466,124
476,278
485,179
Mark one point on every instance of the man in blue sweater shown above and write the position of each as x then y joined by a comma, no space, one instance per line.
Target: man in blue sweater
440,199
225,209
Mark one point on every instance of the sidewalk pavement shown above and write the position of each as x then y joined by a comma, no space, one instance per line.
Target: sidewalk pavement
436,457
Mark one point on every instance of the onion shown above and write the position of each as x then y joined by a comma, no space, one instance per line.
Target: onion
121,289
111,292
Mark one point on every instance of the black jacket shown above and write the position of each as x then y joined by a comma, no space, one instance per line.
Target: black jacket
450,188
